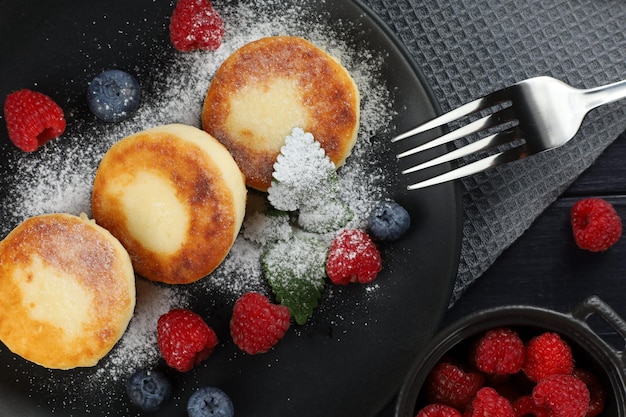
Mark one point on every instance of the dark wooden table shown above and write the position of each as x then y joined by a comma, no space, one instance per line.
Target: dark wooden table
545,268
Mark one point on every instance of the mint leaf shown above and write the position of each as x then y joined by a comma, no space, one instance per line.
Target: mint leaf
326,217
302,173
295,270
267,227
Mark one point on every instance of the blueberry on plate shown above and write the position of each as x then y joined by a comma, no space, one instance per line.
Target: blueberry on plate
210,402
113,95
148,389
388,221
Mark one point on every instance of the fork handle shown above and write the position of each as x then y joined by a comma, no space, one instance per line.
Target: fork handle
605,94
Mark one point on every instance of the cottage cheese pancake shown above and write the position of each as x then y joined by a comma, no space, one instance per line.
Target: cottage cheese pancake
174,197
67,291
270,86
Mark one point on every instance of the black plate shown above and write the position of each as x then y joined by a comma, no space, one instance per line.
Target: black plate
352,356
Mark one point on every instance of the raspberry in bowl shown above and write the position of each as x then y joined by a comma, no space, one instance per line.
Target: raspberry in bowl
528,360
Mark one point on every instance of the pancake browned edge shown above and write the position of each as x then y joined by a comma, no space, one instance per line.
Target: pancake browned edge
270,86
174,197
67,291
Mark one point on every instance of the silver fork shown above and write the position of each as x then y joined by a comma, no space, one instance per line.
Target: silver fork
528,117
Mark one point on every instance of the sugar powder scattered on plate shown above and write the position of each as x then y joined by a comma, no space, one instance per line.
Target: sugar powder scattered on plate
59,178
138,346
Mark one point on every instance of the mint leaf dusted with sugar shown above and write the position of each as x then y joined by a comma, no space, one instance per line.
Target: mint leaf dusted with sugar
302,173
263,228
305,180
295,270
331,214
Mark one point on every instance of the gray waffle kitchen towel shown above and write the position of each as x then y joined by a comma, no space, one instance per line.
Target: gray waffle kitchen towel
467,49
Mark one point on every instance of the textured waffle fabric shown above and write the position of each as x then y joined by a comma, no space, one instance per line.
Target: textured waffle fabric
467,49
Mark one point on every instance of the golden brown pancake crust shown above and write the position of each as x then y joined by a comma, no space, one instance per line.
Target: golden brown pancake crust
327,92
69,257
199,185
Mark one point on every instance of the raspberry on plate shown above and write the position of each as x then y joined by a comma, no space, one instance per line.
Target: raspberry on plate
449,384
256,324
547,354
499,352
210,402
32,119
148,389
353,257
595,224
564,395
488,402
113,95
196,25
184,339
439,410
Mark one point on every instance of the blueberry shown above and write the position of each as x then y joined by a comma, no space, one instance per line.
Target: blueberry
210,402
388,221
113,95
148,389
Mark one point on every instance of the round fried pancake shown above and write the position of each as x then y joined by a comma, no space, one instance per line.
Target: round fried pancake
174,197
270,86
67,291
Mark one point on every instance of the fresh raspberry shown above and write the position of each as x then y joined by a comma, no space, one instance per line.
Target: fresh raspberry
489,403
196,25
595,224
547,354
257,324
450,385
499,352
525,406
564,395
439,410
597,393
353,257
32,119
184,339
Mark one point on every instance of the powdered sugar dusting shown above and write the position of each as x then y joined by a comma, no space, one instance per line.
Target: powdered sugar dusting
59,177
138,347
240,272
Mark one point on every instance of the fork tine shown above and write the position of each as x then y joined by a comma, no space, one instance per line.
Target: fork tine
501,158
465,110
494,119
483,144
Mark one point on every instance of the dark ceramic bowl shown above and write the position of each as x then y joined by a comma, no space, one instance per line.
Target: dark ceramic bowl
590,351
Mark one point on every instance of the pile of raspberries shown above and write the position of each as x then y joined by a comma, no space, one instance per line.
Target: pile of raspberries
504,376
